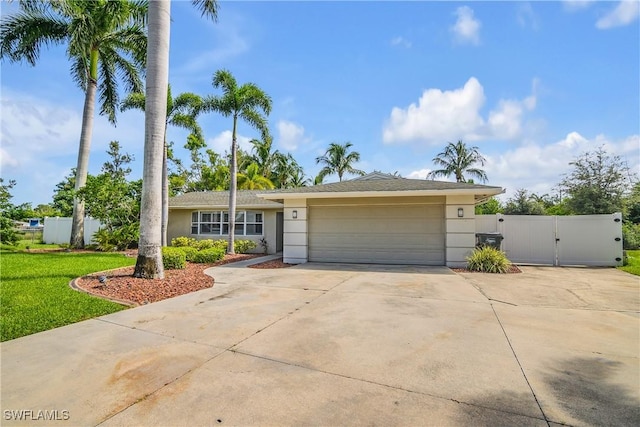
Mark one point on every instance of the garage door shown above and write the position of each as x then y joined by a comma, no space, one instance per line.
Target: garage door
390,234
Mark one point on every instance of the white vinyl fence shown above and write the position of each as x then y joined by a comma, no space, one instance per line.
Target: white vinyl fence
58,230
593,240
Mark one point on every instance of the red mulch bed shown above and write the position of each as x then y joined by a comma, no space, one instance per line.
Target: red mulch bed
120,285
513,269
276,263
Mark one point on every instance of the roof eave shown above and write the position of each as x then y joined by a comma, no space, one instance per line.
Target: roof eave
209,207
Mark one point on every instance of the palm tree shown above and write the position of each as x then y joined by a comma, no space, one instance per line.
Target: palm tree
105,41
263,156
458,159
149,262
252,179
181,112
287,171
338,160
242,102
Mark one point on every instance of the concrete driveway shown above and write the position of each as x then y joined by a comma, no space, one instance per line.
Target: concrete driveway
345,345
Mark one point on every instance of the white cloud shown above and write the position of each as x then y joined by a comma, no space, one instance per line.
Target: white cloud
467,27
401,42
576,5
290,135
40,140
626,12
418,174
7,160
32,125
526,16
455,114
221,143
539,168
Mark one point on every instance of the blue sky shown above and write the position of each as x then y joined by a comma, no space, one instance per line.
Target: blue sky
532,84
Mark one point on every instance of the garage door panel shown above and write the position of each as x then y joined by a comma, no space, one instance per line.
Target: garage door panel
411,234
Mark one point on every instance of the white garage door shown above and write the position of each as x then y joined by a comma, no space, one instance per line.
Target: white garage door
392,234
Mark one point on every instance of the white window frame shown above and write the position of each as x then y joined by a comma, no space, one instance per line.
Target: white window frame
219,220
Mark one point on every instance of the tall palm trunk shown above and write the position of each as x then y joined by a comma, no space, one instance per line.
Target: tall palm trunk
233,189
149,262
165,195
82,169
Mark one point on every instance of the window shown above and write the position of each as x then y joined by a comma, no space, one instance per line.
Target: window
248,223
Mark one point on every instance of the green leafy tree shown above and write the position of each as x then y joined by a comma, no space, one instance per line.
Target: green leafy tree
8,233
490,207
248,103
105,42
252,179
631,205
597,184
181,112
522,203
339,160
149,263
459,160
113,200
64,194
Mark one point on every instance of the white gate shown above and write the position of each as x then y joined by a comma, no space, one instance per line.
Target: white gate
594,240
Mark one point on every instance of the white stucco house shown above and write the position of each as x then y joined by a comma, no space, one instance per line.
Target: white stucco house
378,218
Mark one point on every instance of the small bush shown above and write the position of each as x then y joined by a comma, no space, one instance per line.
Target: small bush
204,244
631,235
173,258
244,246
208,256
182,242
117,239
488,260
190,252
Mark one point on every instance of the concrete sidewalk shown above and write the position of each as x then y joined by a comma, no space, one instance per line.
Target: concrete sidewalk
331,344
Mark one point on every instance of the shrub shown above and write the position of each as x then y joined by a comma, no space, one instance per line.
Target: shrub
243,246
190,252
631,235
183,241
173,258
204,244
208,256
117,239
488,260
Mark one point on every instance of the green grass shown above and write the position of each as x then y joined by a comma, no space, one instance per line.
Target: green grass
30,243
634,263
35,294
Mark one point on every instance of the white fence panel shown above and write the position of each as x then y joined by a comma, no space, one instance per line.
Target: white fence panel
58,230
594,240
486,223
589,240
528,239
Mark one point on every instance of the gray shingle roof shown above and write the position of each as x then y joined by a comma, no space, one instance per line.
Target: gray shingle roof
220,199
391,184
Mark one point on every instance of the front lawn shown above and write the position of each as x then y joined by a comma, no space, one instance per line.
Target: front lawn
633,266
35,294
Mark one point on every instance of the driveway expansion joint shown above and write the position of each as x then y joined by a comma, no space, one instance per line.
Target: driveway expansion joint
520,366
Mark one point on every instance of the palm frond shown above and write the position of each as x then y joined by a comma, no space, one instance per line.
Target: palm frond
208,8
134,100
23,35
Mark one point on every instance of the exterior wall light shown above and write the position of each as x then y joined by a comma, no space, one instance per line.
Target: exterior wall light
460,212
294,214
